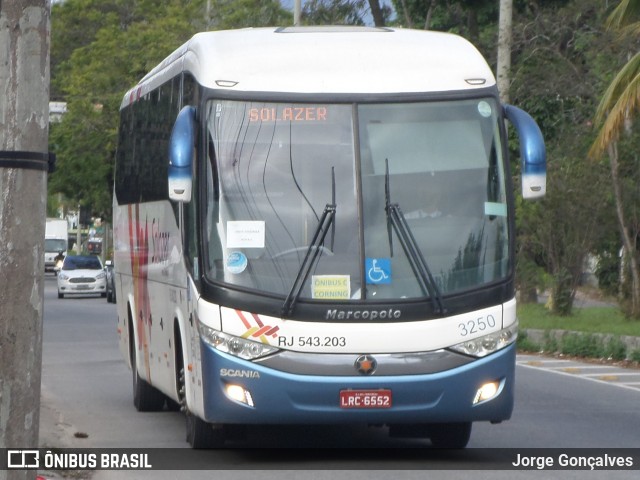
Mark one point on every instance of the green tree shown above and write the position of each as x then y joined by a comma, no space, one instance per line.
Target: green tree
333,12
227,14
557,72
380,13
618,106
345,12
102,48
93,80
464,17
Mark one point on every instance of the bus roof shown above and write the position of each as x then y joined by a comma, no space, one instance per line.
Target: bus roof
325,60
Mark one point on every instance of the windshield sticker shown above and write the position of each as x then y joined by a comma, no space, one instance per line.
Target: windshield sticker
245,234
484,109
495,209
378,271
236,262
331,287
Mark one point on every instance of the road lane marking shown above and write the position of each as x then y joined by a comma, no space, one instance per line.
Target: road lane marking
622,374
535,364
615,375
571,370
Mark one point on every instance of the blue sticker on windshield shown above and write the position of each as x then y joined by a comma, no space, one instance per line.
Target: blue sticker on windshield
378,271
236,262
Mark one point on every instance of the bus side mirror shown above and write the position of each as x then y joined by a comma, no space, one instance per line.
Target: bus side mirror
181,153
532,152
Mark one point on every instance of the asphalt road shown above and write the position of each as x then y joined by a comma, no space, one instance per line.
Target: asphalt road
87,402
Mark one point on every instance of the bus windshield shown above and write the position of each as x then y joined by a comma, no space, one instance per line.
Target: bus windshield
274,168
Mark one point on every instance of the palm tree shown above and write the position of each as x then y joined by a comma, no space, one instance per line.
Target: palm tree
620,102
622,98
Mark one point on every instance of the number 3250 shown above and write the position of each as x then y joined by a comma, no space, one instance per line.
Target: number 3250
476,325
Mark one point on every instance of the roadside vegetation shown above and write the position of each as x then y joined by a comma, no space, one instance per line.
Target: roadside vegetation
593,332
589,320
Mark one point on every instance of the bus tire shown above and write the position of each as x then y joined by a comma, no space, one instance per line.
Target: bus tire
450,435
146,398
201,434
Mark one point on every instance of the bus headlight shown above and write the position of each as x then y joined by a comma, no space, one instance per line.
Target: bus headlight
483,346
236,346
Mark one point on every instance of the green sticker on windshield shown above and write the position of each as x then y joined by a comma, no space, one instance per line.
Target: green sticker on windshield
331,287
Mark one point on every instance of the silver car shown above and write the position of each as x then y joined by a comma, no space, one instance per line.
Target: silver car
82,274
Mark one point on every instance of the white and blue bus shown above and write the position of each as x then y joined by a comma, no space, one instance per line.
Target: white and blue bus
316,226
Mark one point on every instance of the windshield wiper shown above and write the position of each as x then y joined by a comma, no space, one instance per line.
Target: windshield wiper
397,222
325,222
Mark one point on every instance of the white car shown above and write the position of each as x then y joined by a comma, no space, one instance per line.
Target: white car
82,274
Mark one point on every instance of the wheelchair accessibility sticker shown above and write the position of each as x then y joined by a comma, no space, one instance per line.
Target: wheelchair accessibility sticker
378,271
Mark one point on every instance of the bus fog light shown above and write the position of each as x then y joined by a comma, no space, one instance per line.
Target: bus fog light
486,392
239,394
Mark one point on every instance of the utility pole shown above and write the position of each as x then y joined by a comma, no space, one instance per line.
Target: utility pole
24,162
297,9
504,49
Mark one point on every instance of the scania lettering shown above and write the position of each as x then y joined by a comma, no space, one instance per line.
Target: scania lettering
322,238
225,372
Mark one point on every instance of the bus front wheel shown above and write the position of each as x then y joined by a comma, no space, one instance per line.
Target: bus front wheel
201,434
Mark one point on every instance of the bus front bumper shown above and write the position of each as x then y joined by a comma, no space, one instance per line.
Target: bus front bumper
268,396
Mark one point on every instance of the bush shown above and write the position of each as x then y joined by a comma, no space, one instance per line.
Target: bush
525,344
550,343
580,345
608,271
615,349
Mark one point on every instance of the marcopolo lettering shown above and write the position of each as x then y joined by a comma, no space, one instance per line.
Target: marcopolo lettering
336,314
